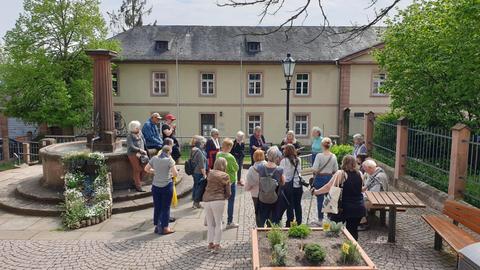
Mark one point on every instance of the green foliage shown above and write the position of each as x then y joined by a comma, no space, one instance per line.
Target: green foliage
431,56
349,253
341,150
314,253
276,235
279,254
129,15
332,228
299,231
46,76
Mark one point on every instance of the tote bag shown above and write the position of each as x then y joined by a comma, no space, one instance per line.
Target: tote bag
333,197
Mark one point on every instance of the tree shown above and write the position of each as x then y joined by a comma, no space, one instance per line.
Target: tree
432,59
46,76
272,7
129,15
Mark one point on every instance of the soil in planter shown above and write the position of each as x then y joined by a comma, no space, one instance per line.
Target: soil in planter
296,256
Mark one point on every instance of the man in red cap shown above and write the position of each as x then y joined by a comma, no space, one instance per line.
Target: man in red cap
168,131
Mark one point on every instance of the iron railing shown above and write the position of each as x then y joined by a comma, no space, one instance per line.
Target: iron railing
385,142
306,161
34,151
428,155
472,188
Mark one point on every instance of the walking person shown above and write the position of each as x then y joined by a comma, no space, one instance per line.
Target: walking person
212,147
216,192
293,189
164,169
199,159
238,151
232,168
269,172
316,142
252,179
136,153
324,167
257,142
352,204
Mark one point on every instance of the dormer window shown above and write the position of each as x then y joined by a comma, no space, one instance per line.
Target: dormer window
253,46
161,45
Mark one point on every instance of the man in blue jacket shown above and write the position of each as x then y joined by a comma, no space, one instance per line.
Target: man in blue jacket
153,140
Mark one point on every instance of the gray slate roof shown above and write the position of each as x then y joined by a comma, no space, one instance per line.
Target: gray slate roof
227,43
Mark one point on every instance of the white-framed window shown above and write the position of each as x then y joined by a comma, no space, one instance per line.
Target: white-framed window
207,122
378,81
253,120
302,84
254,84
159,83
301,125
207,84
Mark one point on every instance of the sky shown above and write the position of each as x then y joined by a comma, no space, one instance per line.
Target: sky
206,12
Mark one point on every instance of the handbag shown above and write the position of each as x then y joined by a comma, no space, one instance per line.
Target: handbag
190,165
333,199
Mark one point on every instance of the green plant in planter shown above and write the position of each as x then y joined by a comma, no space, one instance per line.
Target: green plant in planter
314,253
349,253
299,231
279,254
332,228
276,236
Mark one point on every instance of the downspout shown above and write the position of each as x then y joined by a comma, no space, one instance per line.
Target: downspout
177,90
337,63
242,100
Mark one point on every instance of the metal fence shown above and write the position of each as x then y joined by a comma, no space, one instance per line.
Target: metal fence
34,151
428,155
472,188
385,142
306,161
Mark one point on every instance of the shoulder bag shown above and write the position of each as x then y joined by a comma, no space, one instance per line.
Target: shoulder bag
333,199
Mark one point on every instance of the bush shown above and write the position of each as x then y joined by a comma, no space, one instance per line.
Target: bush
279,255
314,253
341,150
299,231
275,236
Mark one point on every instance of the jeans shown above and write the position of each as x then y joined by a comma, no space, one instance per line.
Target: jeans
291,203
352,226
240,167
255,207
213,215
162,198
197,177
231,203
265,212
319,182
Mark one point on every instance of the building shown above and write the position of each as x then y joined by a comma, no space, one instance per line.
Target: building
228,78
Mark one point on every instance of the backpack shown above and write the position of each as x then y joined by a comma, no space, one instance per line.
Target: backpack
267,191
190,165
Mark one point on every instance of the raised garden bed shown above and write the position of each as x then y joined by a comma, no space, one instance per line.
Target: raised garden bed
295,251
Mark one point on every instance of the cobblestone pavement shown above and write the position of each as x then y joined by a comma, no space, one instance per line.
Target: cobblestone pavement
126,242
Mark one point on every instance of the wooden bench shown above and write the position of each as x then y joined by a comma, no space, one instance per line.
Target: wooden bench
449,231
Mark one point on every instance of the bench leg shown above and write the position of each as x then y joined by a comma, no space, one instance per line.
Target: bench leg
383,216
437,242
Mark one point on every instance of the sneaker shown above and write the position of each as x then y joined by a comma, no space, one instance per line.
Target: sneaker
231,225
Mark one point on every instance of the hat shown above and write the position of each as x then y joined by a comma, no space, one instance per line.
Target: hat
156,115
170,117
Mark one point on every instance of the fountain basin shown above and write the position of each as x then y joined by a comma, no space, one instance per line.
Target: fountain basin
53,171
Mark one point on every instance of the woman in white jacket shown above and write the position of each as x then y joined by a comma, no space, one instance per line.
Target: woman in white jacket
252,179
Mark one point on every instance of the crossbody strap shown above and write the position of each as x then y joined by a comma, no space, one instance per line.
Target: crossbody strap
326,163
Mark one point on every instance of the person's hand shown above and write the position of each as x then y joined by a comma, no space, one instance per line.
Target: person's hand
312,190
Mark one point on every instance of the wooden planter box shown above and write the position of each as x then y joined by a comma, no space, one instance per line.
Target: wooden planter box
369,265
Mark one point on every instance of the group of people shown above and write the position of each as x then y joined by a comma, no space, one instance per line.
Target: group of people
274,178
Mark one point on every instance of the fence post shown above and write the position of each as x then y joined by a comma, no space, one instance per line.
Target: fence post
4,132
26,153
346,126
401,148
369,126
458,161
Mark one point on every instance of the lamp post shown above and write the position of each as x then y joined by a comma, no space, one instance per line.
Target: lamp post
288,70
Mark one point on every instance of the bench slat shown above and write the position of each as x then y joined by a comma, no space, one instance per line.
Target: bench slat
453,235
464,214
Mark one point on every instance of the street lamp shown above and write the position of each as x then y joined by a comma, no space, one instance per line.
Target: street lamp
288,70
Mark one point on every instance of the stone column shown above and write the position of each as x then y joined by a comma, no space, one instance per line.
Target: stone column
4,133
369,126
401,148
458,161
103,102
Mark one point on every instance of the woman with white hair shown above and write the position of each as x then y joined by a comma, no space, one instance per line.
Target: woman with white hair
290,139
316,142
137,155
257,142
238,151
359,146
212,147
266,172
